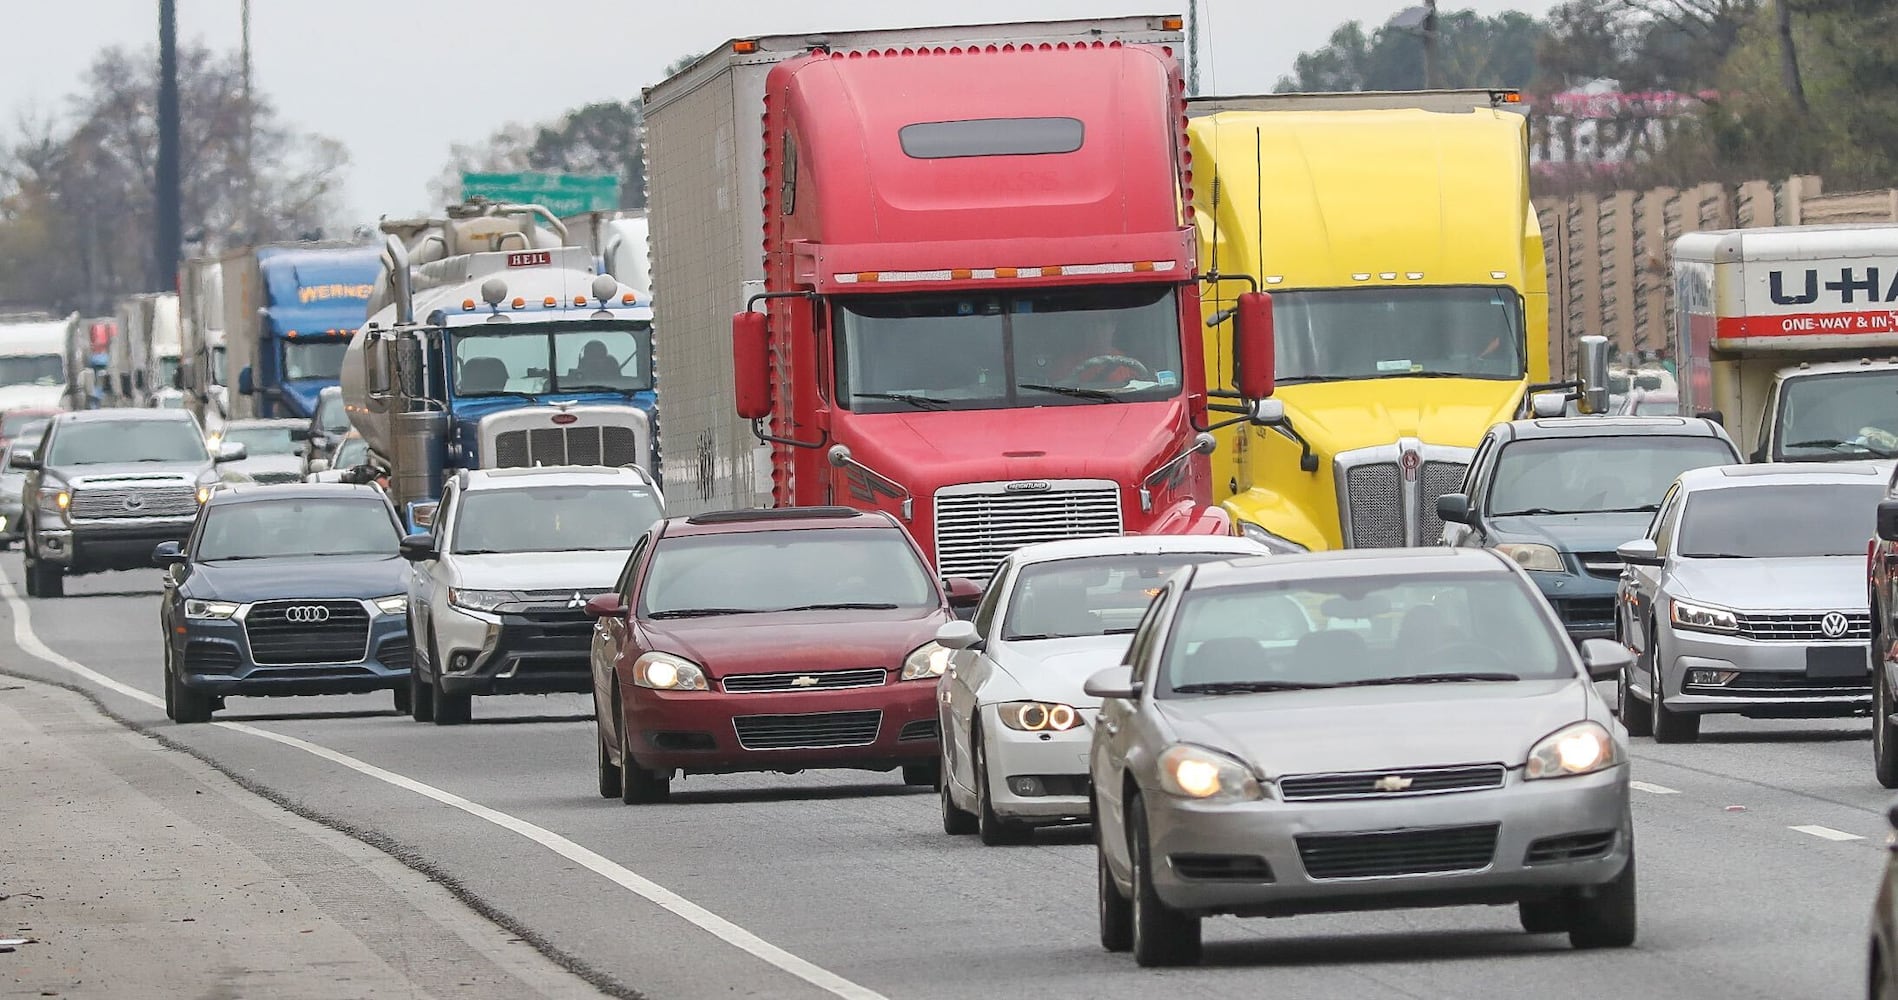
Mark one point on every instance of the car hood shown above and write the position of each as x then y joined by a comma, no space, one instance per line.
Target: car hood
589,573
1370,729
299,577
253,465
796,641
1811,583
1053,669
77,474
31,397
1603,532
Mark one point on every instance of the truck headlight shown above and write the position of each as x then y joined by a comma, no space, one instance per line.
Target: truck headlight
1541,558
487,601
399,604
1702,618
210,610
1582,748
1192,772
1276,543
1039,716
54,498
666,672
925,662
204,495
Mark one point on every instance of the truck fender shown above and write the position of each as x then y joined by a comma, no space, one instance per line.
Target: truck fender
1279,515
1188,518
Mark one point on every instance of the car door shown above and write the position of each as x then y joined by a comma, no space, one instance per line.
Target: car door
963,679
1116,729
428,578
1639,584
610,635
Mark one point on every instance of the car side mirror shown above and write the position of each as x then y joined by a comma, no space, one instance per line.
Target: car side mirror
1640,552
1887,517
230,451
963,592
606,606
958,635
1114,682
1714,415
1454,507
167,555
1605,659
23,460
299,433
419,547
246,383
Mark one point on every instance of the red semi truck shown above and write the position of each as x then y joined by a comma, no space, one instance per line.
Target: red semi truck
963,265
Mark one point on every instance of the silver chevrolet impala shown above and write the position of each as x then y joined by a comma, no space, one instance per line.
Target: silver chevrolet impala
1432,740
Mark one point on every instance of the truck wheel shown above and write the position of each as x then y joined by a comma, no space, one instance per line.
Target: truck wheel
1884,741
45,579
32,578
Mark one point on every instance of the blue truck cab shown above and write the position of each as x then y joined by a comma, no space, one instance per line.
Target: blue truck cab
290,315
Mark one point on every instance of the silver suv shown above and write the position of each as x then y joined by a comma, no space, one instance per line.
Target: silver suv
497,601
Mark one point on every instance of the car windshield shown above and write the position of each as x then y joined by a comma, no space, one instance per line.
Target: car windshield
32,369
1094,595
554,519
1780,521
101,442
1389,629
351,453
499,360
899,353
14,424
277,529
262,440
1383,332
331,415
1579,475
793,568
313,359
1848,415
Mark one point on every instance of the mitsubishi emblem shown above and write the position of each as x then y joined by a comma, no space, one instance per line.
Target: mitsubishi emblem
576,601
1391,783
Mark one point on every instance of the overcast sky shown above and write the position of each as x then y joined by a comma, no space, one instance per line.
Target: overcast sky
529,60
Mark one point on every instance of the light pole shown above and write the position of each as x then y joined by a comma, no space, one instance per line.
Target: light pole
169,223
1423,21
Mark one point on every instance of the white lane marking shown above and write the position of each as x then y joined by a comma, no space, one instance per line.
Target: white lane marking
620,875
1826,833
1652,789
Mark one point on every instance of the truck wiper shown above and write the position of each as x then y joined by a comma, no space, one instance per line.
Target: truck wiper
1421,375
530,397
920,402
1835,443
1247,687
1097,395
844,606
595,388
1429,679
705,612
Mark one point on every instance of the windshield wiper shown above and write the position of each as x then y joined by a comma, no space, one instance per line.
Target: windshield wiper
1534,510
234,558
1097,395
1713,555
1430,679
1247,687
1646,508
594,388
480,552
705,612
1835,444
920,402
1422,375
530,397
844,606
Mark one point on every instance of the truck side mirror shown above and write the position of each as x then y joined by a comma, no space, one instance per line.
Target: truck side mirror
246,384
1714,415
1454,508
375,361
1591,366
1257,362
1888,520
751,365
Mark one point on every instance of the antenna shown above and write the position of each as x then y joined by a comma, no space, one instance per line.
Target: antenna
1192,48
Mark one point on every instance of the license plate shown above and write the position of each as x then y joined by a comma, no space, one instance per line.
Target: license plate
1837,661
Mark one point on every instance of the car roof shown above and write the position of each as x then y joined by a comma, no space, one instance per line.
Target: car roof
1129,545
1621,425
482,480
249,492
1720,477
1347,563
727,522
119,414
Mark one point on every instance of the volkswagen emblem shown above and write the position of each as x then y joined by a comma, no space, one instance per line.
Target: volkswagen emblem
134,502
1028,487
307,614
576,601
804,681
1834,624
1391,783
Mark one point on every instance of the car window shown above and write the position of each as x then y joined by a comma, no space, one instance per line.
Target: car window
630,571
1091,595
984,619
126,441
1373,629
297,527
1146,635
1661,529
755,571
1474,472
1578,475
1780,521
575,518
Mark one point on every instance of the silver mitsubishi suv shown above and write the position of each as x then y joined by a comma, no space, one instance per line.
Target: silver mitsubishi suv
106,486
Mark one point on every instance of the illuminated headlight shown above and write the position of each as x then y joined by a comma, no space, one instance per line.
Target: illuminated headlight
1192,772
213,610
54,497
925,662
1582,748
399,604
1702,618
204,494
1274,542
666,672
1039,716
1541,558
488,601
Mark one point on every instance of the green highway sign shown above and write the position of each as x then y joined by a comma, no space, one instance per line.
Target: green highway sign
563,194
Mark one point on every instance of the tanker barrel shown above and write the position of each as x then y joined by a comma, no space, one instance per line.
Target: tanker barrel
421,439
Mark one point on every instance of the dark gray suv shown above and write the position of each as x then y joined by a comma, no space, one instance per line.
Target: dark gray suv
105,486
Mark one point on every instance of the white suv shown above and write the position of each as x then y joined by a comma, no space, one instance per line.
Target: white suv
497,601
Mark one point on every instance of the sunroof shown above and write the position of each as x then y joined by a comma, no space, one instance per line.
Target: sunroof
991,137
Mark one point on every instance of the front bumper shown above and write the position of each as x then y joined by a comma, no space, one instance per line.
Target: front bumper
1052,768
1193,844
1584,602
544,651
93,546
215,657
1774,680
713,732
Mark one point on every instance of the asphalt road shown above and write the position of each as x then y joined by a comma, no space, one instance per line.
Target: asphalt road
1760,847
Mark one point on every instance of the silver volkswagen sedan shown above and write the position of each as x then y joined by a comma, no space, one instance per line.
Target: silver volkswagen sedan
1014,718
1748,595
1433,740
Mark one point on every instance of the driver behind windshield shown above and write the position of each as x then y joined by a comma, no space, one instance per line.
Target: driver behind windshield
1091,353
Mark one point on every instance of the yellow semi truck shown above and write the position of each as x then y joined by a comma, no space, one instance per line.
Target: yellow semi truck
1410,300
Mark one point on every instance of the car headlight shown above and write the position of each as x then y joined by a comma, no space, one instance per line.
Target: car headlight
1192,772
55,498
399,604
926,661
1702,618
1541,558
1276,543
215,610
488,601
1583,748
1039,716
666,672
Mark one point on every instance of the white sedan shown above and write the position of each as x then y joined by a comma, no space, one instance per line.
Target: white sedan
1014,718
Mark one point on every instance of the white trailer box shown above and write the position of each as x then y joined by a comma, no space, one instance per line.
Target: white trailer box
33,361
201,340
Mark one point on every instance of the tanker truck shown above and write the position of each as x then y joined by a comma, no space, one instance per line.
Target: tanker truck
619,243
493,342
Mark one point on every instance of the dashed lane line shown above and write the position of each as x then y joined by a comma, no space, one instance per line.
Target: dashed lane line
1652,789
705,920
1826,833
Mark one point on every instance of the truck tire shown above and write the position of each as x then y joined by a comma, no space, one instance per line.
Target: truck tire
1884,734
44,579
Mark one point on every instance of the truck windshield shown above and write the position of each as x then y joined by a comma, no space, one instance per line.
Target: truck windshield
32,369
313,359
565,357
1382,332
1844,416
554,519
996,351
1586,475
1778,522
167,372
217,366
331,415
104,442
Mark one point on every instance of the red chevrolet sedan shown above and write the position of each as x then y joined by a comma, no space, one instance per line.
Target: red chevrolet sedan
769,640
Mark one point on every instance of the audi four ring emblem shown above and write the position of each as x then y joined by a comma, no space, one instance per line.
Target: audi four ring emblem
1834,625
307,614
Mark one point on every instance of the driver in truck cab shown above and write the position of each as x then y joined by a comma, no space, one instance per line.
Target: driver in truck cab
1092,356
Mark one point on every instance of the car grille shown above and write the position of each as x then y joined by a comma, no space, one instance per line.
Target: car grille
1765,684
1398,852
1363,784
274,638
975,530
573,445
1438,478
550,630
1804,626
1574,847
213,658
1602,564
816,680
396,654
1221,867
1372,499
171,499
270,478
1585,610
819,730
921,729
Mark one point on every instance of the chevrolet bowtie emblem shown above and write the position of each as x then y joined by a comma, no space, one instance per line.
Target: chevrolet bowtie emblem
805,681
1391,783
